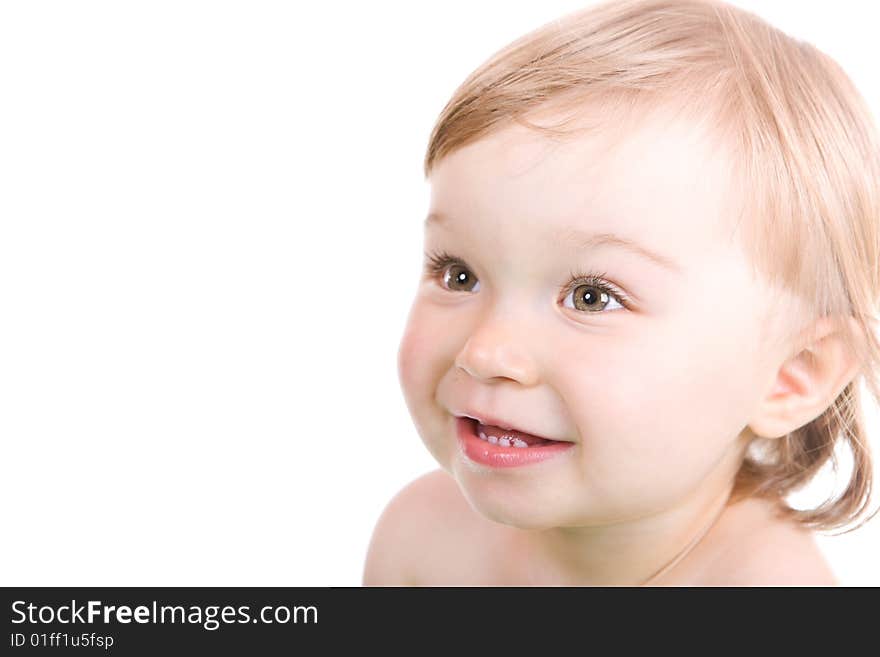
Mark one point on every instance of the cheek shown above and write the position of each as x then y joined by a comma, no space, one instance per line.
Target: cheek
413,357
657,410
421,355
422,361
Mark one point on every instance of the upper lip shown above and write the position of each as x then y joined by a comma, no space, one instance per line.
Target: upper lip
485,418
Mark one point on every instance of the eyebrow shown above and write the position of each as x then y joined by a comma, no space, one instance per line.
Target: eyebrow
580,239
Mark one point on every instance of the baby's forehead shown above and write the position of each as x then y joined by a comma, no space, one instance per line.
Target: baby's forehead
656,178
602,150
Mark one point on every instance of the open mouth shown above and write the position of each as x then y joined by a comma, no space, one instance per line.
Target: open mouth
508,437
494,446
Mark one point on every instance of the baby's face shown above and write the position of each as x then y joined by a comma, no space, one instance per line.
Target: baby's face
652,372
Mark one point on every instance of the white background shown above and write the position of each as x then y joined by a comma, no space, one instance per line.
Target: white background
210,236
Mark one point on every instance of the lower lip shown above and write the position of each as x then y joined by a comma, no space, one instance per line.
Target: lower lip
497,456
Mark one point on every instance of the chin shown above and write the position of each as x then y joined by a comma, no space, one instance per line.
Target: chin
503,503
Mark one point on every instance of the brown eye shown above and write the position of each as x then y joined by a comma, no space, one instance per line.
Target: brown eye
591,293
590,298
456,275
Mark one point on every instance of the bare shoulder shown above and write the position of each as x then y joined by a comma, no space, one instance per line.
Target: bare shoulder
772,552
421,530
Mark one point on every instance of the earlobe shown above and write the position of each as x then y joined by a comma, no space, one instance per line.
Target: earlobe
808,382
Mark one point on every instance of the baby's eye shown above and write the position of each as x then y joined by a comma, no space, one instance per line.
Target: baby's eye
590,293
452,273
591,296
457,275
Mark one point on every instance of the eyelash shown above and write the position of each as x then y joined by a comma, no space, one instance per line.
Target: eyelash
438,261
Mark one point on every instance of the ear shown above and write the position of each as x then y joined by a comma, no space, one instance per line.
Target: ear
809,381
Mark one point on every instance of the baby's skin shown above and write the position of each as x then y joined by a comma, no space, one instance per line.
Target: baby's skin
652,376
428,535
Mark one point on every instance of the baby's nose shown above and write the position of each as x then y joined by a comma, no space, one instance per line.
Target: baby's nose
495,350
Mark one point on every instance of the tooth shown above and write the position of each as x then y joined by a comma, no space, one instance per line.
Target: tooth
493,440
519,443
504,442
482,436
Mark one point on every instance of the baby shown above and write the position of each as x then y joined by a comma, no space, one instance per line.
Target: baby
651,286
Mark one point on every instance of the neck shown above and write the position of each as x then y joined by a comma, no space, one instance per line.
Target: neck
713,520
636,552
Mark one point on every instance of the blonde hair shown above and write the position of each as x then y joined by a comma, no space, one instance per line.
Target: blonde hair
806,173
